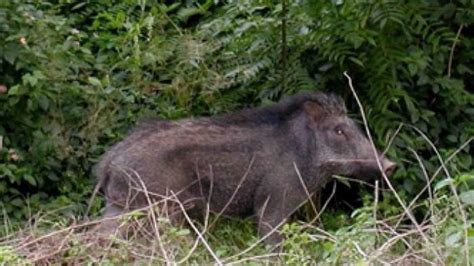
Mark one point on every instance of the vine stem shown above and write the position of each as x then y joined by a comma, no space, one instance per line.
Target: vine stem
451,54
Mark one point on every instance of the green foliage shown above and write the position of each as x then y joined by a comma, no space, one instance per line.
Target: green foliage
75,85
9,255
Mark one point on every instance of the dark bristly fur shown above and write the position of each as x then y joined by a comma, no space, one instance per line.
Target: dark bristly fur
283,110
239,164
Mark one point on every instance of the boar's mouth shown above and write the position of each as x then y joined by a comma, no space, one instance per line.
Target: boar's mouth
388,166
361,168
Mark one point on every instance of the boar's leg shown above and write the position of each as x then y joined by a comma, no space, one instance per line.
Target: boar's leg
268,221
109,225
274,206
112,210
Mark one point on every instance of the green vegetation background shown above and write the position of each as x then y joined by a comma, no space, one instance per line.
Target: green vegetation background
76,75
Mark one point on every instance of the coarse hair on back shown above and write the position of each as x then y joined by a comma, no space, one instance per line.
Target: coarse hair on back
272,114
285,109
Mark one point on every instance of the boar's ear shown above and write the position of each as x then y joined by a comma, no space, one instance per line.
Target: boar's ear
314,110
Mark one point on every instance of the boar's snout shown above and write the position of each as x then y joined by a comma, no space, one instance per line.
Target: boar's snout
388,166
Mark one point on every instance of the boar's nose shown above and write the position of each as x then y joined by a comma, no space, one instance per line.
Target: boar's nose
388,166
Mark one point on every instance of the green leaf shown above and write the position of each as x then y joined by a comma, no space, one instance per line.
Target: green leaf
412,68
343,180
31,79
357,61
17,202
465,177
38,74
30,179
95,81
43,102
441,184
15,90
452,138
470,232
183,232
467,197
453,239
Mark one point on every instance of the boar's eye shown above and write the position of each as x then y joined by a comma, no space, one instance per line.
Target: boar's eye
339,131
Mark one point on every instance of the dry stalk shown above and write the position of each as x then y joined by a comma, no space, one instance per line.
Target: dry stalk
402,260
374,212
53,253
152,213
454,191
390,141
257,258
196,242
244,177
410,215
79,226
450,157
201,237
361,252
394,232
326,203
324,234
309,195
206,218
361,182
391,241
428,182
260,240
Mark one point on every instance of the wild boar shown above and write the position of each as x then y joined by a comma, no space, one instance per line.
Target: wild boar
261,162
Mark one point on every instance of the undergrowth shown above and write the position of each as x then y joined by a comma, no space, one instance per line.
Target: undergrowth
367,236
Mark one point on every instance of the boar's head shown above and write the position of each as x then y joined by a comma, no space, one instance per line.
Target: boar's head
341,147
